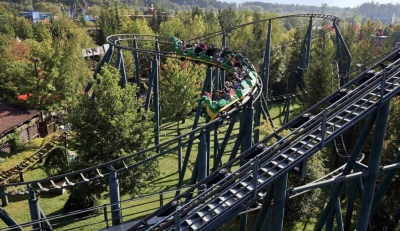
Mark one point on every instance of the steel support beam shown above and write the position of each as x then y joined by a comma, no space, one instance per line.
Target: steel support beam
240,137
385,184
338,215
8,220
45,223
279,202
224,45
302,64
34,209
105,59
337,189
156,105
373,164
265,207
350,204
137,64
208,131
150,87
119,64
4,197
265,81
216,147
218,160
202,159
191,137
246,144
115,199
344,65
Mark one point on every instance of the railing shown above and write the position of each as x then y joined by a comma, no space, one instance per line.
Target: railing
101,215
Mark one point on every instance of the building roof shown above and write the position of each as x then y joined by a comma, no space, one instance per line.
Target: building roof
11,116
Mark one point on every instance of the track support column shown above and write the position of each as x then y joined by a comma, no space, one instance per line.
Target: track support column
115,199
190,144
373,166
265,80
246,144
385,184
4,197
119,64
34,209
265,207
202,159
337,189
156,105
137,65
279,203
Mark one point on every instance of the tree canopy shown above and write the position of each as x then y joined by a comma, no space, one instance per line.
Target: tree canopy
108,127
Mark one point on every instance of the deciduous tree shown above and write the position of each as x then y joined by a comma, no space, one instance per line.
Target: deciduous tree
109,127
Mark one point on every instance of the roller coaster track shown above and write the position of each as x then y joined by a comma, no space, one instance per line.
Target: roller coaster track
331,18
29,161
227,198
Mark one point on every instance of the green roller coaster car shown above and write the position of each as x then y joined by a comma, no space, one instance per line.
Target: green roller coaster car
215,108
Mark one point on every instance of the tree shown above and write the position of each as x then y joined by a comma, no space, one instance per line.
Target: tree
23,28
183,79
173,27
63,72
320,76
109,127
196,27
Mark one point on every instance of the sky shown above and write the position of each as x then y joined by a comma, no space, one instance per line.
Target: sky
339,3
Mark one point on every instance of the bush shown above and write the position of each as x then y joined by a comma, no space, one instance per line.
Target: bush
16,143
79,200
55,163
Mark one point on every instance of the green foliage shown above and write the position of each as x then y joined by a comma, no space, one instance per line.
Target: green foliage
16,143
321,77
109,23
23,28
41,32
79,201
180,86
109,127
304,205
56,162
173,27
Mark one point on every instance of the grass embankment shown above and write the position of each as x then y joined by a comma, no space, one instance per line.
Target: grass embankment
30,148
53,204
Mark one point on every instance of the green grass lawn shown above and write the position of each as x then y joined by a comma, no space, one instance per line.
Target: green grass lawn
52,204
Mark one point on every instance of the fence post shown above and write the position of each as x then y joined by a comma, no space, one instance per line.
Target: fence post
105,215
161,199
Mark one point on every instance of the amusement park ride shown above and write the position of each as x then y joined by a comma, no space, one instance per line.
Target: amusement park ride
254,173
